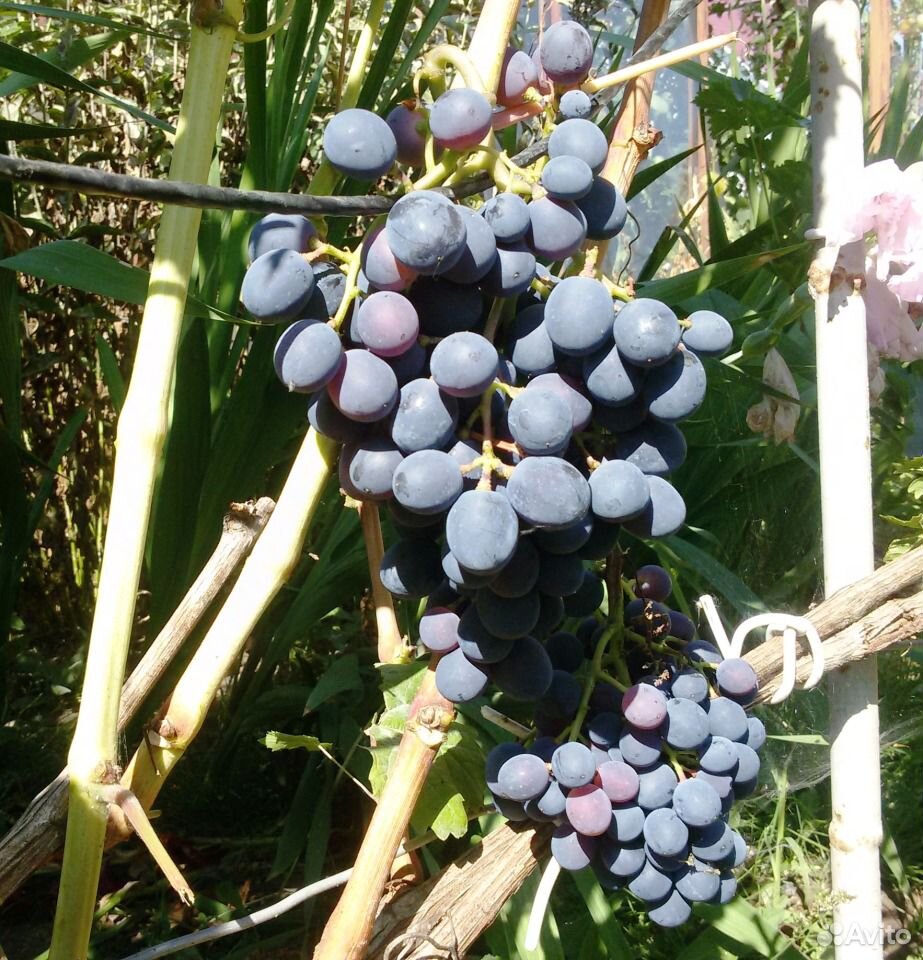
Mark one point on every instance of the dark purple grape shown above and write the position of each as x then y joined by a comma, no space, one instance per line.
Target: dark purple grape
618,780
517,75
578,315
736,680
458,679
480,250
567,178
529,344
464,364
540,421
507,214
655,786
512,272
409,128
425,232
427,482
644,706
370,466
523,777
526,673
663,516
605,210
364,387
382,269
410,569
718,756
386,323
548,492
439,630
646,332
588,810
675,389
653,583
477,643
307,355
640,748
572,765
673,912
696,803
571,849
280,231
277,286
609,379
482,530
509,617
580,138
708,333
360,144
618,490
557,228
665,833
687,725
460,118
575,104
566,52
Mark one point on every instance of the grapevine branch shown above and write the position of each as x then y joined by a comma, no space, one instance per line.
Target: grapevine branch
39,832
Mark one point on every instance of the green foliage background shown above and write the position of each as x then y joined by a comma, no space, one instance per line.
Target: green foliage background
246,821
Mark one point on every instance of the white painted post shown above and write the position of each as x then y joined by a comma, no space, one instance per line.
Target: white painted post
846,500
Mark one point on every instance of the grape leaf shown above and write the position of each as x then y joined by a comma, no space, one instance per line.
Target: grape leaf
274,740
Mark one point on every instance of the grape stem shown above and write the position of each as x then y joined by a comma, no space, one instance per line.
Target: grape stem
352,289
390,641
444,55
490,328
573,731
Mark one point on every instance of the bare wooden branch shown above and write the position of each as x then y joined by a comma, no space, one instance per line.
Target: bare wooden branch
849,604
459,903
890,625
39,833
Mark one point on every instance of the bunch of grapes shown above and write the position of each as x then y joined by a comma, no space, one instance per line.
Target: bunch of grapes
515,412
640,777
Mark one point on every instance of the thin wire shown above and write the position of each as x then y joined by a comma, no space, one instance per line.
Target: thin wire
243,923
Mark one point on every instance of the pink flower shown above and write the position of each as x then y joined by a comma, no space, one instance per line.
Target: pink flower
889,203
891,330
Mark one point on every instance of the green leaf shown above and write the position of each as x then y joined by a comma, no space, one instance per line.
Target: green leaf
758,930
13,130
340,677
713,274
38,68
714,573
63,444
78,265
274,740
455,785
912,147
112,375
384,57
607,926
644,178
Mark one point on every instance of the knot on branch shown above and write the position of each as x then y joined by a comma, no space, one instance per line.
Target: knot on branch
431,723
403,946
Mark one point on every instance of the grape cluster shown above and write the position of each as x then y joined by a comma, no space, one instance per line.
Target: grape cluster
515,414
643,796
